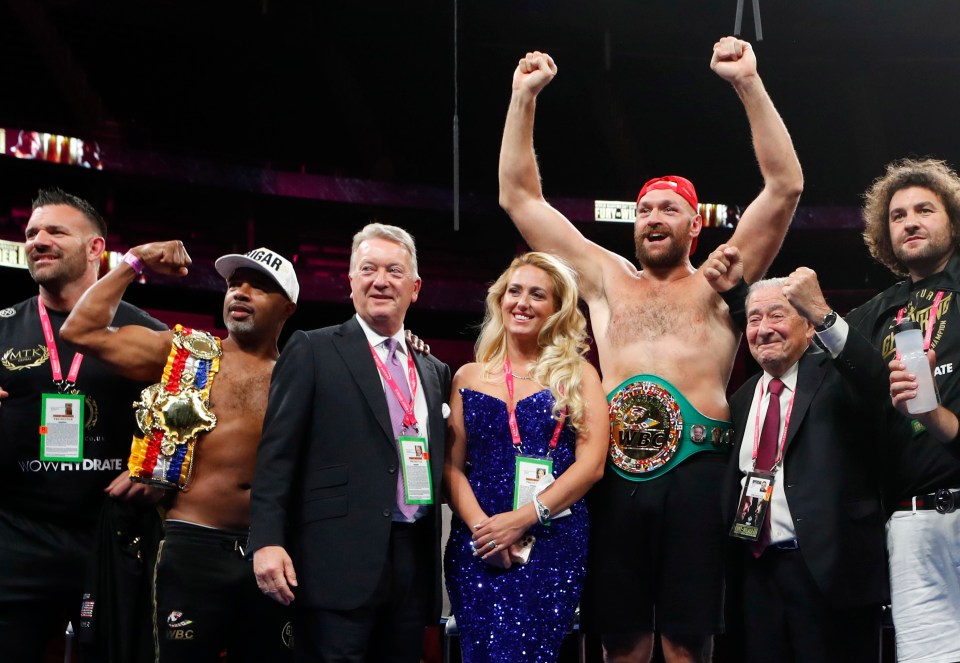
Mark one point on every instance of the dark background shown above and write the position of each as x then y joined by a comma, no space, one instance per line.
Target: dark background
365,89
201,107
364,92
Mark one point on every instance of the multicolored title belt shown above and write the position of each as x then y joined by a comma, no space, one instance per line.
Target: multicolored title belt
653,428
173,412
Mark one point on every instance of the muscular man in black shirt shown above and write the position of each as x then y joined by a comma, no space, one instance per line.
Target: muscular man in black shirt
50,500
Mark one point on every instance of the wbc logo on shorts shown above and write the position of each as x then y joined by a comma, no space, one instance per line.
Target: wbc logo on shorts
175,620
286,635
175,627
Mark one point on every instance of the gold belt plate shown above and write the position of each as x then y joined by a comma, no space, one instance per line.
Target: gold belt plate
181,416
198,343
645,427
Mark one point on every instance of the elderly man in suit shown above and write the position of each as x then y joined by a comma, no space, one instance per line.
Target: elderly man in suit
345,519
811,425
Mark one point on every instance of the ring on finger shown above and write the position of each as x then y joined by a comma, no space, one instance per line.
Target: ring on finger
492,545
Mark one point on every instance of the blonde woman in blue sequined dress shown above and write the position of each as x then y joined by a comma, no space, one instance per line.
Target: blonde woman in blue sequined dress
530,395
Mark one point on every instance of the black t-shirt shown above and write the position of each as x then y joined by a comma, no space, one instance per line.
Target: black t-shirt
922,464
54,490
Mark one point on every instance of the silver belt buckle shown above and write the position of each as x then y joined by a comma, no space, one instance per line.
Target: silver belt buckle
945,501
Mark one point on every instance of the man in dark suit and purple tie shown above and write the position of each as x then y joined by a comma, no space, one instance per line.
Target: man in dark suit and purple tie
344,525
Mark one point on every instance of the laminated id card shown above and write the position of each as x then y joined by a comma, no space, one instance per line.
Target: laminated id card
754,505
417,482
529,471
61,427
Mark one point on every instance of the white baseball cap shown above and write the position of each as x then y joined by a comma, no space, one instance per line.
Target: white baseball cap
263,260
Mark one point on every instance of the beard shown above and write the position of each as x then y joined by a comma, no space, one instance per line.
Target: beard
68,268
243,327
669,256
936,250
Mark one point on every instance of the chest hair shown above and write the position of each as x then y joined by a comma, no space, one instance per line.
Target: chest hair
656,313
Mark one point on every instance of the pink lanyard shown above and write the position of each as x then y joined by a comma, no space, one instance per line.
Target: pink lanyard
930,320
55,356
786,427
512,415
409,418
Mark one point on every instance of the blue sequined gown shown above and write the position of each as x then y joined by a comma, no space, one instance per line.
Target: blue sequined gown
521,614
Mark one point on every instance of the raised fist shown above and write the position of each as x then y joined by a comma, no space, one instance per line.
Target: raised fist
534,72
733,60
803,292
168,257
723,268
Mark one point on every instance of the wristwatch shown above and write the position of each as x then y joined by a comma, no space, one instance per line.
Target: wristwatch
827,323
543,511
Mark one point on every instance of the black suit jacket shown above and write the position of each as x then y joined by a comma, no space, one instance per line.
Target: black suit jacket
831,472
326,478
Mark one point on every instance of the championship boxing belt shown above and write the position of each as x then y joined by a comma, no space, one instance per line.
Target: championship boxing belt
653,428
173,412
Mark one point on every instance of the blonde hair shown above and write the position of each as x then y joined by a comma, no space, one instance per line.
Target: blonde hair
933,174
562,340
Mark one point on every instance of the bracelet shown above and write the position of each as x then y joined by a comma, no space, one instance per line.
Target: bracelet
543,511
135,263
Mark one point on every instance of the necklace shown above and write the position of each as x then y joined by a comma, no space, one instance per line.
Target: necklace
520,377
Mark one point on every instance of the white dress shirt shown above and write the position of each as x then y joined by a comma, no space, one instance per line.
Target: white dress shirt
378,342
781,522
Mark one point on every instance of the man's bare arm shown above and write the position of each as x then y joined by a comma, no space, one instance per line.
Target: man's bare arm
135,352
764,223
521,196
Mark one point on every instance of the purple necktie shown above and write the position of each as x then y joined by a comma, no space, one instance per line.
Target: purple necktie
396,419
767,449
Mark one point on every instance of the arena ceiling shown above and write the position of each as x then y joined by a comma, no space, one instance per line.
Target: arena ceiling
366,89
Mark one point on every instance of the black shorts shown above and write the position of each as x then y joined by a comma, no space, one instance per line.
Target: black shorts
206,601
657,552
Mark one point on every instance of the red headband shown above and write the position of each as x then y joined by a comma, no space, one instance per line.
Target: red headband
679,185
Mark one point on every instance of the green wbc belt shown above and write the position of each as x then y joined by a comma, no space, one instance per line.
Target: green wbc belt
653,428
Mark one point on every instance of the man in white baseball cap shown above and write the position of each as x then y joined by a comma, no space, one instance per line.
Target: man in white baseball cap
263,259
212,395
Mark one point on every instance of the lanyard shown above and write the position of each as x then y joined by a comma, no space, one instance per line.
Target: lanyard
783,438
930,320
409,418
512,415
55,356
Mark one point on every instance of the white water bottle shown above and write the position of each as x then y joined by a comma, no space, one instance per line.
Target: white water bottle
909,342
